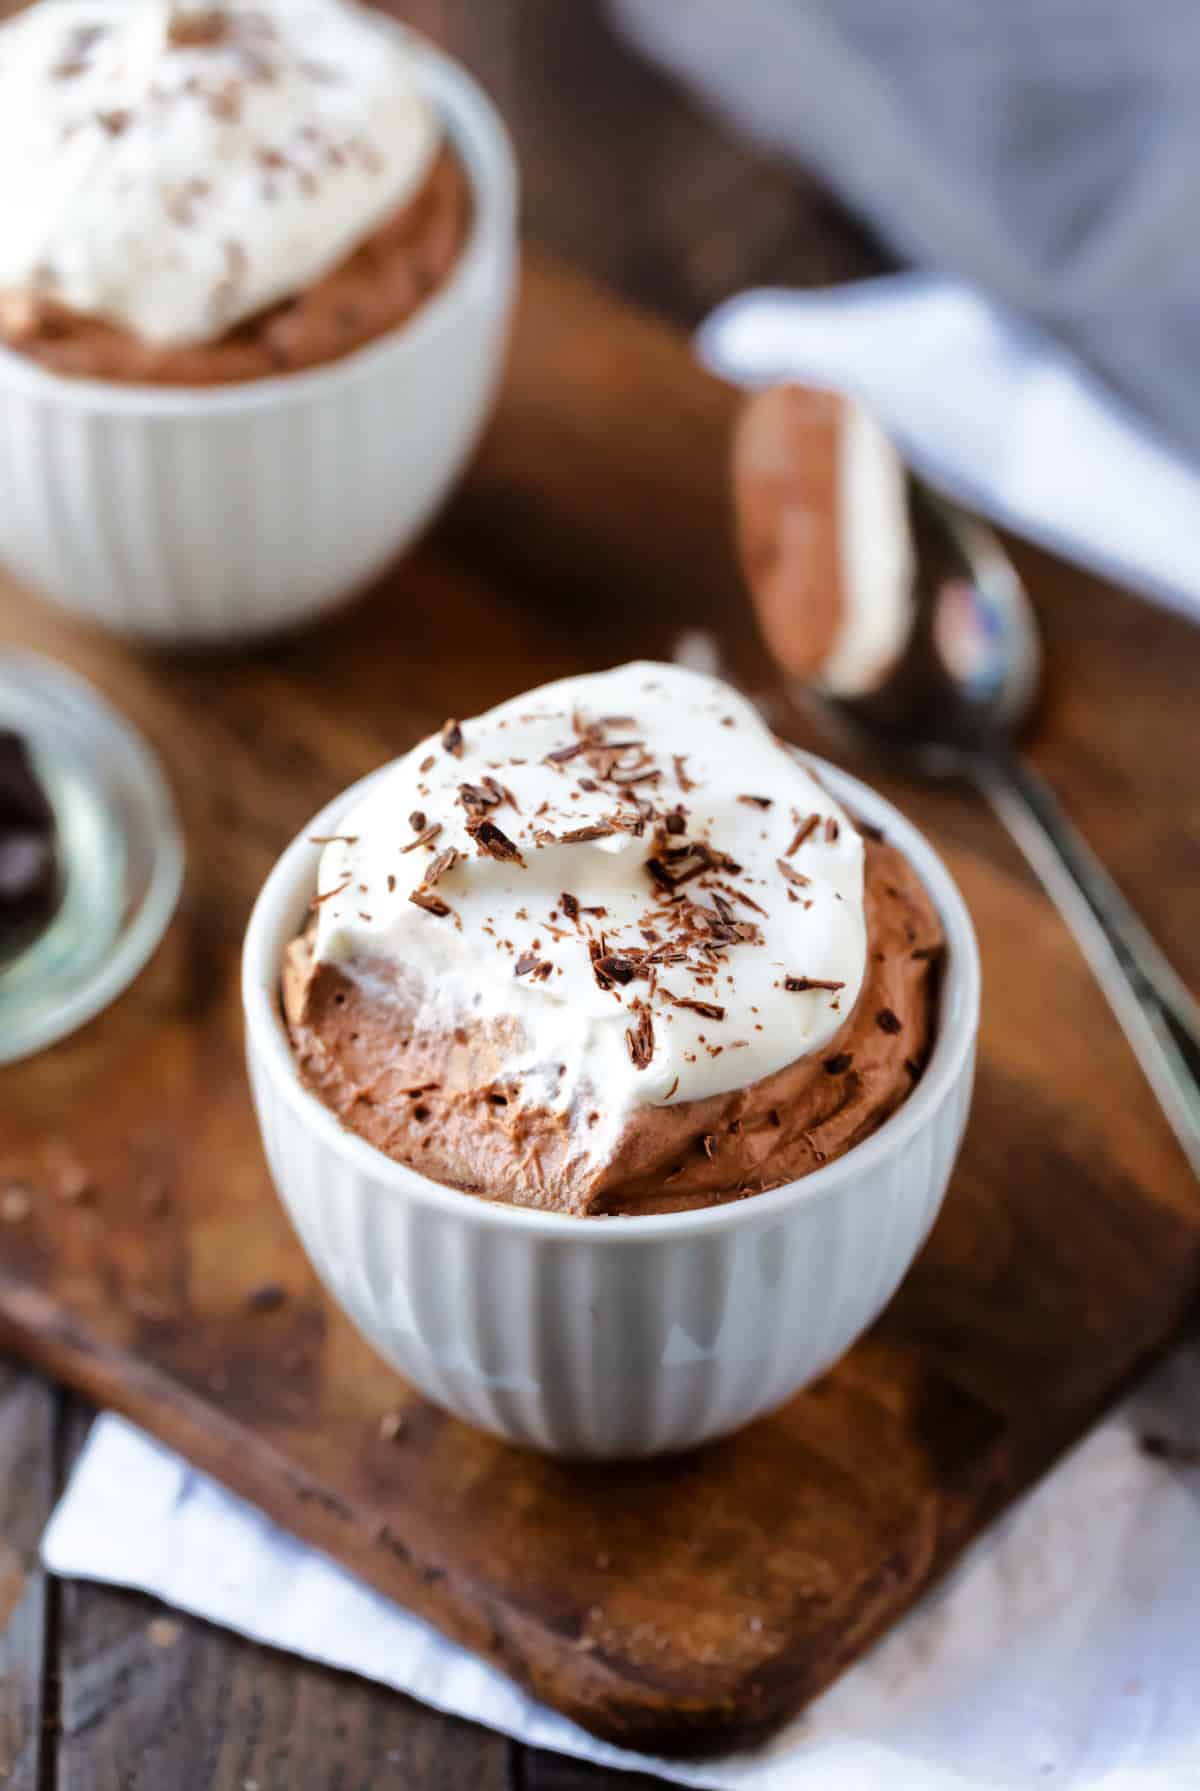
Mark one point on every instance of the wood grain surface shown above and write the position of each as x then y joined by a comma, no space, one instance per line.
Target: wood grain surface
628,180
693,1602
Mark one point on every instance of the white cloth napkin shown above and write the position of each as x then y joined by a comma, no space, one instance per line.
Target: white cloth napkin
1060,1655
988,409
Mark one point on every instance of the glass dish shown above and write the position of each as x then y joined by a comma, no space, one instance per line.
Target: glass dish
120,851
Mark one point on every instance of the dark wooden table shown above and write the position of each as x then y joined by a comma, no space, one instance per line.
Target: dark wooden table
104,1689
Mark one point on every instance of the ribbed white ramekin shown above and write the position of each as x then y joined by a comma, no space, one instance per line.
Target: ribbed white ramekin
609,1337
208,517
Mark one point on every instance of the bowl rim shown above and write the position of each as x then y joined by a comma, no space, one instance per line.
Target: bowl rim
281,904
479,134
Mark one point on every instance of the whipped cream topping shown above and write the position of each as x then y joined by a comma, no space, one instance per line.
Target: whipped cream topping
174,168
626,866
877,557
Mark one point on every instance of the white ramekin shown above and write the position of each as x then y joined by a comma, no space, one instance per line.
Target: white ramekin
609,1337
208,517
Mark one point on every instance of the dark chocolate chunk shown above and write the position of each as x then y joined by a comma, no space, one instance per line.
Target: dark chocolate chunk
30,887
492,842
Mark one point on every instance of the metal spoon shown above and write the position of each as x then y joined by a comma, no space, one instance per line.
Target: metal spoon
953,706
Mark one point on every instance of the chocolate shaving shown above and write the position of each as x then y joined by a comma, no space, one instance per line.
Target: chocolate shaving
424,838
739,895
437,868
596,951
696,869
832,830
502,793
792,874
417,821
570,906
577,835
800,985
805,831
563,753
685,782
672,1089
452,739
391,883
613,969
838,1065
665,954
432,904
331,839
491,842
676,871
887,1021
625,778
756,801
330,893
708,1010
427,764
477,800
202,30
640,1040
620,746
675,822
529,964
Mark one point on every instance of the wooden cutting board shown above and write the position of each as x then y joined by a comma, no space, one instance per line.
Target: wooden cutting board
696,1602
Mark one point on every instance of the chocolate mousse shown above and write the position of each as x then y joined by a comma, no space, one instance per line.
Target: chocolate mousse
611,949
202,195
825,540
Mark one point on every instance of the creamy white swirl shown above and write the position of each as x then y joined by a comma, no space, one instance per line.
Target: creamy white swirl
173,168
627,866
876,555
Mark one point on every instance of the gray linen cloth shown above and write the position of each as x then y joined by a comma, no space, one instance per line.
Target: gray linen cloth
1046,151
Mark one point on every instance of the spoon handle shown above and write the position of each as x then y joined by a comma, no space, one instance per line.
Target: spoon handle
1157,1012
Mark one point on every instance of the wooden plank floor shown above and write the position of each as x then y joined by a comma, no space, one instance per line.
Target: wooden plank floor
101,1690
